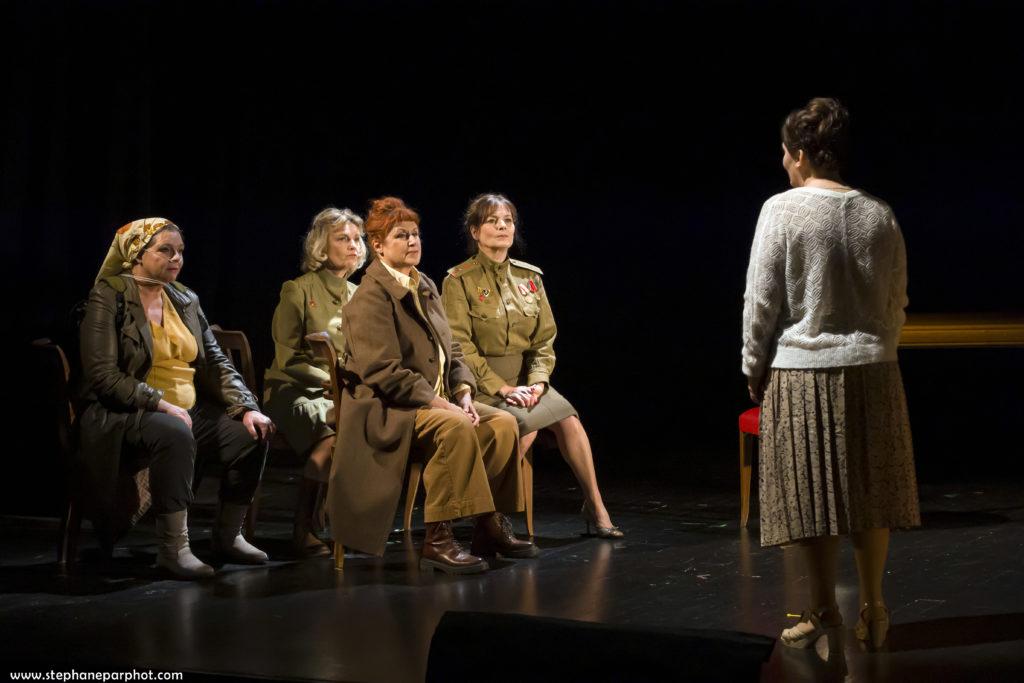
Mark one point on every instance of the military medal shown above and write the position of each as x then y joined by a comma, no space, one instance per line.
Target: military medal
483,293
533,287
312,303
523,290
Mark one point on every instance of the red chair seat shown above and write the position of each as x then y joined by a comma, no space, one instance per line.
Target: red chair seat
749,421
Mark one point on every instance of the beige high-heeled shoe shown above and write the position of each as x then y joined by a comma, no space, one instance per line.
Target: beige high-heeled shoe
801,637
600,531
873,625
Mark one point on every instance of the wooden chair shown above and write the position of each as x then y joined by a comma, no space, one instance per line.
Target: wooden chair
235,346
546,439
54,363
528,489
749,430
323,348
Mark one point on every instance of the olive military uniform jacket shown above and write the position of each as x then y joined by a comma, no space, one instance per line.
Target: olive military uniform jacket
117,352
391,366
500,309
309,303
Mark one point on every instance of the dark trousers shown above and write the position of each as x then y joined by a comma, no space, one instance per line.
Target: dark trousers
172,452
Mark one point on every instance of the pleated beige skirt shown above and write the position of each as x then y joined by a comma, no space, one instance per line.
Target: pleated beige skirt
836,455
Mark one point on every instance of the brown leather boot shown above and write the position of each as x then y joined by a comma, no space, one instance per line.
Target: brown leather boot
492,535
442,551
305,543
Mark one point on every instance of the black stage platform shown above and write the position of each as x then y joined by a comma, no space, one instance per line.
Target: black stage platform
954,588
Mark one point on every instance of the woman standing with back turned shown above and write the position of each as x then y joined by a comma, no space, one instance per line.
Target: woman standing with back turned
823,310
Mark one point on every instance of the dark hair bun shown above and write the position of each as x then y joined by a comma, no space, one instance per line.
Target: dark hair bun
821,130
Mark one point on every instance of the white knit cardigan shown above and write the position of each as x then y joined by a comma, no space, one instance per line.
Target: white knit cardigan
826,284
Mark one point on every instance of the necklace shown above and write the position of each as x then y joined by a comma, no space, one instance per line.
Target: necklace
143,279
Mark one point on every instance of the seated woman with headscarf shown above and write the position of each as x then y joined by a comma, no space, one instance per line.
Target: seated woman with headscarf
158,392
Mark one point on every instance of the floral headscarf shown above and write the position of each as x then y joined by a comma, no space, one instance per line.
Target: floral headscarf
128,243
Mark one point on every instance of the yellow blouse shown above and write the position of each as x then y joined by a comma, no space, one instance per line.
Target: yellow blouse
174,348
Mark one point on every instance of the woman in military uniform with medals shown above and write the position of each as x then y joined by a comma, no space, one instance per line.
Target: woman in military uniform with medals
500,315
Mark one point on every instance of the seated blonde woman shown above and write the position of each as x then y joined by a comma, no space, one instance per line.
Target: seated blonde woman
333,250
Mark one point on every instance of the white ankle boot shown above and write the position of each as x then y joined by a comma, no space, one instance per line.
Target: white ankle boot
227,537
173,552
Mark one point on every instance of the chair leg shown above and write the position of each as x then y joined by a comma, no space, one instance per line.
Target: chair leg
70,529
339,556
415,473
250,517
197,480
528,489
746,446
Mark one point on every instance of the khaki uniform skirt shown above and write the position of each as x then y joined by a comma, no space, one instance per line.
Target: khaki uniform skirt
835,453
302,417
552,407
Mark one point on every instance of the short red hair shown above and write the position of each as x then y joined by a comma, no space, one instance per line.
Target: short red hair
385,213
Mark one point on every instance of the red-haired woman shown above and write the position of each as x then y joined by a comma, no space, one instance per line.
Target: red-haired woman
408,394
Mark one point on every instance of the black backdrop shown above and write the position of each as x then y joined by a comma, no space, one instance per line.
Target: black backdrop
638,140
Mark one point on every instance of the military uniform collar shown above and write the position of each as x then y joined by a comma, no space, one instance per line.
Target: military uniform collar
493,266
336,286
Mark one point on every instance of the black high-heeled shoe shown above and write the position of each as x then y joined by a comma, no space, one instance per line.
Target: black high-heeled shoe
600,531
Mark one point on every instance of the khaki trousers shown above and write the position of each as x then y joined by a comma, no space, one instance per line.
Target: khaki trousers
468,470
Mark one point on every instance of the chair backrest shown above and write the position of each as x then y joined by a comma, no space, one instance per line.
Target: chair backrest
323,348
235,346
54,364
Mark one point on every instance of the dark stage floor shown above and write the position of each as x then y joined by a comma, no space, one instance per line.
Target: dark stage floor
954,588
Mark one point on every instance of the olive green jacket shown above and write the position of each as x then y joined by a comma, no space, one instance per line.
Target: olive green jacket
310,303
500,309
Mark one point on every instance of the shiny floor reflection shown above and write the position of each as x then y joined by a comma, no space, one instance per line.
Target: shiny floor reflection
954,589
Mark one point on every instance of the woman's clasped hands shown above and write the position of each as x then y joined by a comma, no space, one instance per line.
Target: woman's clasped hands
463,405
522,396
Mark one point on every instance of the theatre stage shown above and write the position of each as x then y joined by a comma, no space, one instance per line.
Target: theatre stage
955,589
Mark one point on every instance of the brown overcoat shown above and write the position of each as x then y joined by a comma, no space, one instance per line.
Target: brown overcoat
390,369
